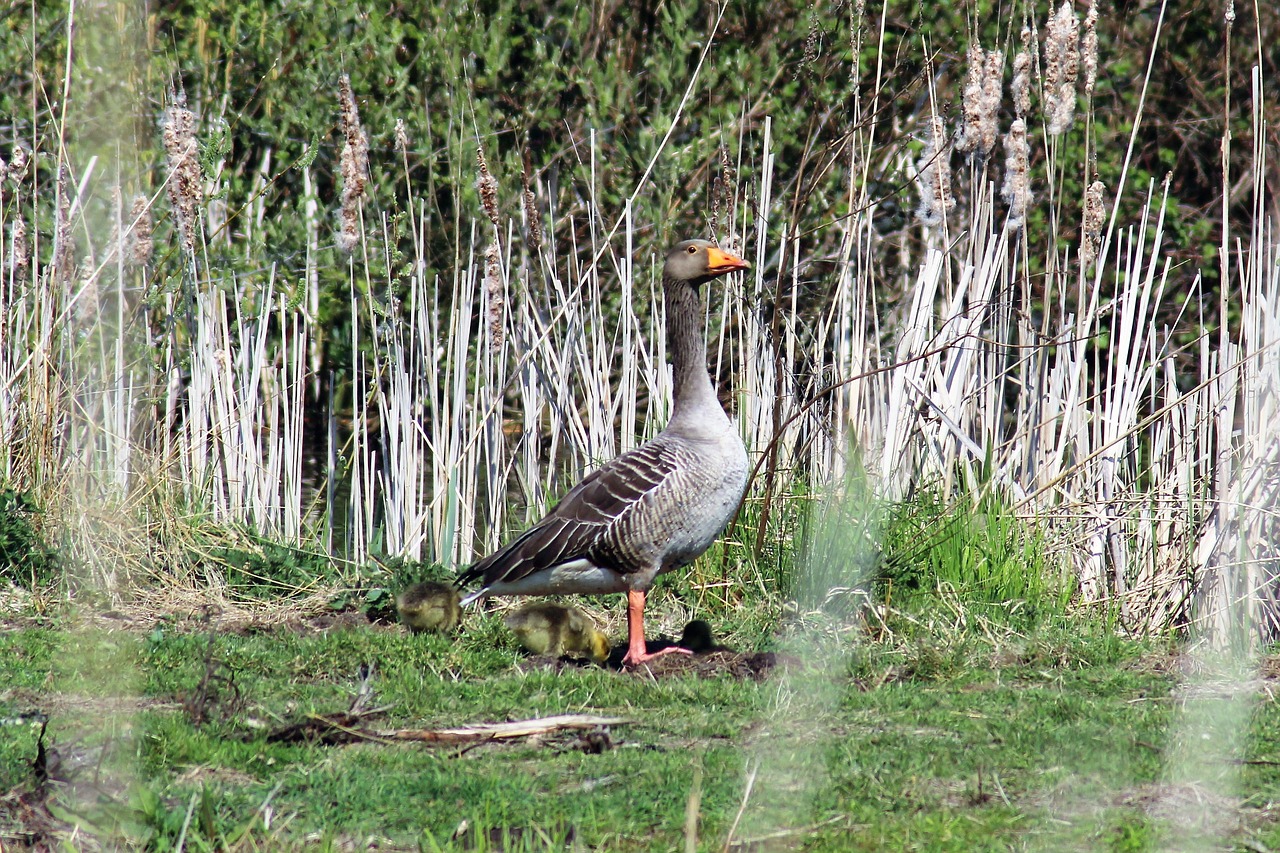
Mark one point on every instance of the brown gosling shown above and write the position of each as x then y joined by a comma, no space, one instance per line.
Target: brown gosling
547,628
429,607
697,638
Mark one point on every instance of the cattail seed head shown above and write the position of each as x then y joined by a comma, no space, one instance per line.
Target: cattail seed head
1020,86
139,245
1089,50
1016,189
933,176
19,254
354,163
494,294
529,201
17,163
810,43
64,245
401,137
992,85
186,184
488,186
967,133
1093,218
88,304
1061,67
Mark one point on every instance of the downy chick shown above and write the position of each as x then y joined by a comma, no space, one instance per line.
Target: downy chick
546,628
429,606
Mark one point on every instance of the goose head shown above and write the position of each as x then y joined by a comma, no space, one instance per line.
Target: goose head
695,261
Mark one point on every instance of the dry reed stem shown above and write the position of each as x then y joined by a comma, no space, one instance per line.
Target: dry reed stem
1061,67
186,188
354,166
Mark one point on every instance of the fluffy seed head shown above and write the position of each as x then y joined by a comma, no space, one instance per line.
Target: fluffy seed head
139,245
488,186
1016,189
1020,86
966,135
1094,217
64,245
1089,49
533,221
19,254
402,137
186,184
494,294
354,163
17,163
1061,67
933,178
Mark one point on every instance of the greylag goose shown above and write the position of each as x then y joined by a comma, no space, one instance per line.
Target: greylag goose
654,508
546,628
429,606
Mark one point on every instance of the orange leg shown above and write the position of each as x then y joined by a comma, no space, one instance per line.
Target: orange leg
637,651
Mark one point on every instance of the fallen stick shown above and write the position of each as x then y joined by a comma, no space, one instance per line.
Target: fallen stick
503,731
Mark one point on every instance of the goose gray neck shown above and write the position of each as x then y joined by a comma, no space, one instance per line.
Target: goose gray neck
694,397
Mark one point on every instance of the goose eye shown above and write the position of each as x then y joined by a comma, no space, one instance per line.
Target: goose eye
693,250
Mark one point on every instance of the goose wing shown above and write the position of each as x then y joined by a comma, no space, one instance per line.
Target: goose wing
590,521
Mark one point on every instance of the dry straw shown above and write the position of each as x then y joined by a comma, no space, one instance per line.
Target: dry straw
354,163
186,187
1016,190
1061,68
934,176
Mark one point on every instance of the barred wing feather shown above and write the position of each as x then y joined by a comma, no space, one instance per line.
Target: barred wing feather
591,521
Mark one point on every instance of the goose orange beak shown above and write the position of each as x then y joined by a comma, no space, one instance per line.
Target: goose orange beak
720,261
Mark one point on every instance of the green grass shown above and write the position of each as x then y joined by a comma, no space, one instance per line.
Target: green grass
903,735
